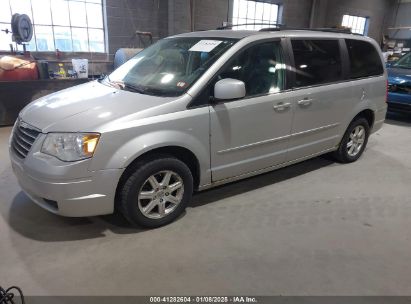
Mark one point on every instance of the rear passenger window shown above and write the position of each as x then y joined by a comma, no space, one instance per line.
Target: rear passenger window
316,62
364,59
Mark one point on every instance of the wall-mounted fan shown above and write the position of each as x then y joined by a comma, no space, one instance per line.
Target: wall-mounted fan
21,28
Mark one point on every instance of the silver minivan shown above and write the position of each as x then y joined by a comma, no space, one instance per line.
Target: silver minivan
194,111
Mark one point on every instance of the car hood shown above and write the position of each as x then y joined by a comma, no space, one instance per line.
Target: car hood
87,107
399,76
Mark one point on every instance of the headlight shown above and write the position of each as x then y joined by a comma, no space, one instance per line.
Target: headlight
70,146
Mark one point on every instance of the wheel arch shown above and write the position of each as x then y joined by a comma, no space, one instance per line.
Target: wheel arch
369,115
181,153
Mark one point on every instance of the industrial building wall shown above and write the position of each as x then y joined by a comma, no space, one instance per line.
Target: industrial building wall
377,10
179,17
296,13
164,18
124,17
211,13
400,17
169,17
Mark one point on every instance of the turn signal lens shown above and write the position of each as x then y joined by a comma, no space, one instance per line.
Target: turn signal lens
90,143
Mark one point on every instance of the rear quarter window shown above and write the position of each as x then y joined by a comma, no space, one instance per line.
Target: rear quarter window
365,60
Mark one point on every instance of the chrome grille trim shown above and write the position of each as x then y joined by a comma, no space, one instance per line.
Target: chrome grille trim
22,146
23,138
27,134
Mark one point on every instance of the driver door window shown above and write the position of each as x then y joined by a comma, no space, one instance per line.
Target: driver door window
260,67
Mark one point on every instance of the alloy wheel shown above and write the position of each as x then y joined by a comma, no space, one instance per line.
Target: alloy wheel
356,141
160,194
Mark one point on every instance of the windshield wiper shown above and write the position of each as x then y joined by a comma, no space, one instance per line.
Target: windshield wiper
144,90
121,85
115,84
133,88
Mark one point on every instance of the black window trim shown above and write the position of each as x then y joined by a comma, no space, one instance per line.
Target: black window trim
343,56
345,62
194,103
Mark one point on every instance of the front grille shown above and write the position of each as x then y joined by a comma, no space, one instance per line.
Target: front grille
24,136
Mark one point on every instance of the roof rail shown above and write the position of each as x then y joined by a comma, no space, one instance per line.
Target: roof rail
230,26
321,29
281,27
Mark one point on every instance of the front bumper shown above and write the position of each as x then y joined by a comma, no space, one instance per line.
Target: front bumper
67,189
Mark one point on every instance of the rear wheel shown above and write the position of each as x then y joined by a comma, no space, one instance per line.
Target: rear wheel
354,141
156,192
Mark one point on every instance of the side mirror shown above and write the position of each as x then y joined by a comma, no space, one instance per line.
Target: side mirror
389,64
228,89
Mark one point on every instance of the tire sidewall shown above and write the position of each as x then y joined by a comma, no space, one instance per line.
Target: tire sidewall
343,147
130,201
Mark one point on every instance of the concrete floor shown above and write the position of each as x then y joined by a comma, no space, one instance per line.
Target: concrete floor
316,228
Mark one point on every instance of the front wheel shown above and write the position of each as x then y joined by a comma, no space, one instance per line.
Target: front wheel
156,192
354,141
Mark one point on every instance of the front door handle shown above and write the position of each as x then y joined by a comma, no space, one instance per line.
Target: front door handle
305,102
281,107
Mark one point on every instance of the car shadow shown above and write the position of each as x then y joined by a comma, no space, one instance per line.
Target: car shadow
31,221
260,181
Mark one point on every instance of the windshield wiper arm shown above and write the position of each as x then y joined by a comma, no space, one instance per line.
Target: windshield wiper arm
134,88
114,84
121,85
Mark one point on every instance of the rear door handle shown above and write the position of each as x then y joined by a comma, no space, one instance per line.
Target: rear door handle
305,102
281,107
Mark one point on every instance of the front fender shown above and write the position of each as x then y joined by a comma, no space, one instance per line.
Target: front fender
186,129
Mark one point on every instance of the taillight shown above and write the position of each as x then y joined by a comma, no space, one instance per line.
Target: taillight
386,92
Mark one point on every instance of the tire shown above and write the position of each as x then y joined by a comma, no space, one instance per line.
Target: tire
343,154
149,202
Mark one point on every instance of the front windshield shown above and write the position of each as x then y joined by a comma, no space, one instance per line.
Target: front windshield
404,62
170,66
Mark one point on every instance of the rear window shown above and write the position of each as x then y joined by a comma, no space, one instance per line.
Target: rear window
316,61
364,59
